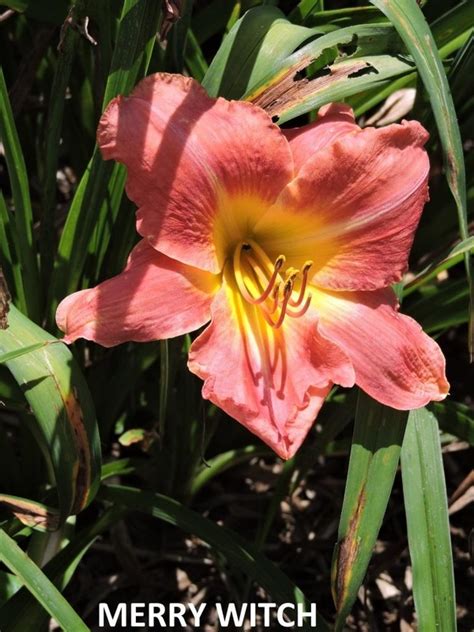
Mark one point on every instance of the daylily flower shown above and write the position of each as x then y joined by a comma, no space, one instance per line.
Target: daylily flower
286,240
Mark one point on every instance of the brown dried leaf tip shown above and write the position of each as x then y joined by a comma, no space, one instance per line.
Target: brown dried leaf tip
5,299
172,12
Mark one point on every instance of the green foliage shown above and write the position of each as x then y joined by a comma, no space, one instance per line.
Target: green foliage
39,585
375,451
429,540
59,398
65,224
409,21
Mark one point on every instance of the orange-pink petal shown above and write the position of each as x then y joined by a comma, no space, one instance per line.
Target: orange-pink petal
272,381
395,362
354,207
334,121
154,297
187,155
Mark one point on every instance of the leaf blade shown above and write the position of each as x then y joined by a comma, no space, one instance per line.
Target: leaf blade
408,19
424,490
21,197
58,395
376,445
39,585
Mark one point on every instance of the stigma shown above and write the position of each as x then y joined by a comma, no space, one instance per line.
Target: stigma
278,293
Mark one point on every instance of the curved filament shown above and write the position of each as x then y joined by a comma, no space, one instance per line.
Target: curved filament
260,283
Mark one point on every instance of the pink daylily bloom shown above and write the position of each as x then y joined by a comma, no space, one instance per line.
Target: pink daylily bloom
286,240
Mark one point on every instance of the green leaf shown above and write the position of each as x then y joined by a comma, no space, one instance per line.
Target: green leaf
59,398
426,506
376,444
194,58
16,353
223,462
334,66
238,553
305,8
10,264
456,419
261,39
408,19
454,256
450,32
23,220
459,77
442,306
39,585
57,100
135,41
9,585
119,467
23,612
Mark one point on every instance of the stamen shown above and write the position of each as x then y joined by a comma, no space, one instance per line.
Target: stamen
240,278
275,299
260,283
279,261
277,324
302,310
304,282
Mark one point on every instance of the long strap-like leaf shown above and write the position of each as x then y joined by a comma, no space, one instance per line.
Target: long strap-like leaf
426,508
407,17
376,445
39,585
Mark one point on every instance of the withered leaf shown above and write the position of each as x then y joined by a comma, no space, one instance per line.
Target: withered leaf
172,11
293,86
5,299
30,513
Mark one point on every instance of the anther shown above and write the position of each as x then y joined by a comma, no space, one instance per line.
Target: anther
304,282
279,262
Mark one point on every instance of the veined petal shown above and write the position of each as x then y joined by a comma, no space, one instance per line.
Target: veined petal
194,164
272,381
334,121
395,362
154,297
353,208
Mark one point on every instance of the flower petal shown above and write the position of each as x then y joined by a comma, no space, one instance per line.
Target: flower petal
353,208
153,298
188,158
334,121
272,381
395,362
